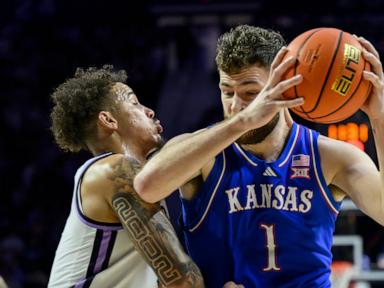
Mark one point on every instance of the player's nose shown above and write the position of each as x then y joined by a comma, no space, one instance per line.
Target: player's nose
149,112
237,105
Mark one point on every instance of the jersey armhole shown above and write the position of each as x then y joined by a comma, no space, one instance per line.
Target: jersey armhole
333,205
194,210
78,201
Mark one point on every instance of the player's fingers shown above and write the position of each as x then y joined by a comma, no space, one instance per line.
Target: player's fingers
374,79
285,85
289,103
279,71
368,45
375,62
279,57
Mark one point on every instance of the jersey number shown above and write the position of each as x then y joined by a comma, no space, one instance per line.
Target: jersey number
271,247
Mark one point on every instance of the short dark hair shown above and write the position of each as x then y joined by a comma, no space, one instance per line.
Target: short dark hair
246,45
77,102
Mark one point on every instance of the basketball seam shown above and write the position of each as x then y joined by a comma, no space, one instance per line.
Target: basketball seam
296,65
346,101
328,73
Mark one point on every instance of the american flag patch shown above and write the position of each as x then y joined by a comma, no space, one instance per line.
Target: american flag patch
300,160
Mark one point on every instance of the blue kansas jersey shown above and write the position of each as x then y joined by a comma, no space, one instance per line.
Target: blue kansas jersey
264,224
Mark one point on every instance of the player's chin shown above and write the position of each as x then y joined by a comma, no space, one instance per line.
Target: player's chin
260,134
159,141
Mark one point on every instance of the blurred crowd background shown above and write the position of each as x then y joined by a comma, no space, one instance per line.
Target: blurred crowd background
168,49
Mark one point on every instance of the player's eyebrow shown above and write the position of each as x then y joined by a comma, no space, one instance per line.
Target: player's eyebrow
248,82
243,83
224,84
130,93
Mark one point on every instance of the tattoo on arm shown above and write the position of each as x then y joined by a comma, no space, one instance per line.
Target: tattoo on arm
183,263
124,172
151,232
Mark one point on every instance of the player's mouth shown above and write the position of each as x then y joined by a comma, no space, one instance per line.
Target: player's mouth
159,127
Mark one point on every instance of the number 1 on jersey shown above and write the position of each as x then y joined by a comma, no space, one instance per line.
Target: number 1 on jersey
271,247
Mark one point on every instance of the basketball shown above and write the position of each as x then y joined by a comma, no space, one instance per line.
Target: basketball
332,65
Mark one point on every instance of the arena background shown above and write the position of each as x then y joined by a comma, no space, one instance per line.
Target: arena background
168,49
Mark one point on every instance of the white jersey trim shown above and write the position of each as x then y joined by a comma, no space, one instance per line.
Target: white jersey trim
292,147
78,207
212,196
244,155
322,189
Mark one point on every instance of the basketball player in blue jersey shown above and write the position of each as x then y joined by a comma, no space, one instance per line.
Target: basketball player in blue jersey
261,193
112,238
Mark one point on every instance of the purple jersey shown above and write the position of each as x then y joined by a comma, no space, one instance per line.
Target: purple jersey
264,224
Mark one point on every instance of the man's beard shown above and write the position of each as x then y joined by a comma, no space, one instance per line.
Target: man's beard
258,135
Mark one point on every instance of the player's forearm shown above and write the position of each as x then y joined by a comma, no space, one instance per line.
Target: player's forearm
153,236
176,163
378,133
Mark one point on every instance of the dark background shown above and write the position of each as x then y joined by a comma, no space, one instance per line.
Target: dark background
168,48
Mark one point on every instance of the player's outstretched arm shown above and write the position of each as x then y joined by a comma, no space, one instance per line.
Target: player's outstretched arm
177,162
150,230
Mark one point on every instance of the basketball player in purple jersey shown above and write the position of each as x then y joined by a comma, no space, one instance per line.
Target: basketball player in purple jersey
112,238
261,193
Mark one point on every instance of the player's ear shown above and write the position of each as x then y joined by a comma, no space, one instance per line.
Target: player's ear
107,121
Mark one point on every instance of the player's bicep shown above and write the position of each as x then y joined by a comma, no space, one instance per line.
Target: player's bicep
360,179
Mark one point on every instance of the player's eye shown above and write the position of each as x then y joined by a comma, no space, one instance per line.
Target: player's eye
228,93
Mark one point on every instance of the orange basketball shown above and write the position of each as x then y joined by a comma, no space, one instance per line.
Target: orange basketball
332,65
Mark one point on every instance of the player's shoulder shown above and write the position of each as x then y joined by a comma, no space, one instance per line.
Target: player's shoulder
105,175
332,150
106,168
331,144
336,156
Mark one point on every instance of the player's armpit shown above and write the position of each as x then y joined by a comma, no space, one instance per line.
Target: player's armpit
154,237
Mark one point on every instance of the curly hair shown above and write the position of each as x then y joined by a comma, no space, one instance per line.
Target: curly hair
246,45
77,102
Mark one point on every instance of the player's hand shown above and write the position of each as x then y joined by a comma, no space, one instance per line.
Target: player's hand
232,285
270,100
374,106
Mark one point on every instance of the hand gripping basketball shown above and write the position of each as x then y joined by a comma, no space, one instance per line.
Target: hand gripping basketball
374,106
331,62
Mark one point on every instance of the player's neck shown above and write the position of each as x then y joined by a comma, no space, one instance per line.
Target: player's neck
272,146
135,152
118,147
